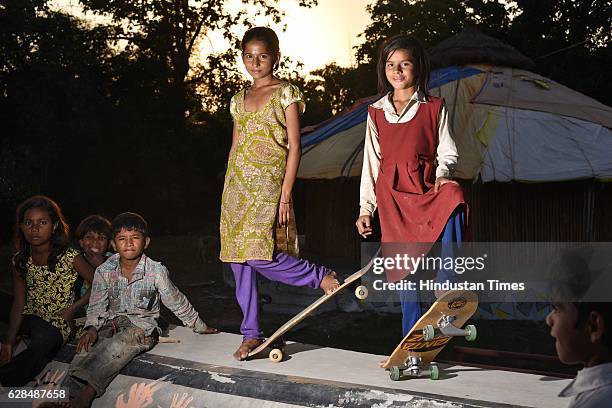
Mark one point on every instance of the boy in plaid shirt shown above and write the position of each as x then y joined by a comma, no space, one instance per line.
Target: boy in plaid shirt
123,311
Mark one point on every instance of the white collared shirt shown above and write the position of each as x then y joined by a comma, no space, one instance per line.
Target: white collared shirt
592,387
446,154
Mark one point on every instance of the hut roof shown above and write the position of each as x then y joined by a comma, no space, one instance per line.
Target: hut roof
471,46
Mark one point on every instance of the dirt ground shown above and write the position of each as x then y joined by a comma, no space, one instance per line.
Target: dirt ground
196,271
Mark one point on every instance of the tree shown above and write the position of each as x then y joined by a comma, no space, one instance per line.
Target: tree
168,31
430,20
53,85
569,41
560,35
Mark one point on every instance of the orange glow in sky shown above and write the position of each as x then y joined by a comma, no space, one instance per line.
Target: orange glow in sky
315,36
325,33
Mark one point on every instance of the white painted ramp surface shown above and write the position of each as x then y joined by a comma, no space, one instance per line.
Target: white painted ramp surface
335,365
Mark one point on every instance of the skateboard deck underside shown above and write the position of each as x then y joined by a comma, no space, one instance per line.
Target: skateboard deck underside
461,304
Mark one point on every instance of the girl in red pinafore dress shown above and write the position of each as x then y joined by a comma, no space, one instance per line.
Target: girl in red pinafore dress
409,158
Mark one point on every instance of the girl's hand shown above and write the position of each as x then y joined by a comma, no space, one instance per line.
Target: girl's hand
67,314
440,181
6,354
95,259
283,213
364,225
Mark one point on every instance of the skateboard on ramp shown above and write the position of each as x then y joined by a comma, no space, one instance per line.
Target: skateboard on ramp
276,343
431,333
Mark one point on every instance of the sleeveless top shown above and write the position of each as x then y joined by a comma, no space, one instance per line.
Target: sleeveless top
49,292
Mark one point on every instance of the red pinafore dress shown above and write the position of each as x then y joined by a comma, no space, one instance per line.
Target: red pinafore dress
409,209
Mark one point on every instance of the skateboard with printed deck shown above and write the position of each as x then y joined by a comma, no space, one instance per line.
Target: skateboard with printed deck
431,333
275,342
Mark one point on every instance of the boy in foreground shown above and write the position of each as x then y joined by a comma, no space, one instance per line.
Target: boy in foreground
582,330
123,312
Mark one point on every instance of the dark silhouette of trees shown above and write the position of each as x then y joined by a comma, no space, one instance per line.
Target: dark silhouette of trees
568,39
121,115
118,115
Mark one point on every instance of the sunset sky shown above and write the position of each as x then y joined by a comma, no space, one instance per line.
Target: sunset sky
315,36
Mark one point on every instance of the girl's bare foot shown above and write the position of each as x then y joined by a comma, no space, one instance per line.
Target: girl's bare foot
246,347
329,283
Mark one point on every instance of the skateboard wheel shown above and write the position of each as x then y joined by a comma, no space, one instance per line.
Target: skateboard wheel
361,292
434,372
395,373
428,332
276,355
471,332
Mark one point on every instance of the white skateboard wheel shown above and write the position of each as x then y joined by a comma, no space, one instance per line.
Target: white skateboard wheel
395,373
276,355
434,372
428,332
471,332
361,292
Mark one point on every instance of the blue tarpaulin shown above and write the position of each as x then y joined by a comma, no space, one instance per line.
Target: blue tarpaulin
359,113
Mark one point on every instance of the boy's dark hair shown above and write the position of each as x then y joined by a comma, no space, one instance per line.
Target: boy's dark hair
59,237
419,56
94,223
574,275
131,222
264,34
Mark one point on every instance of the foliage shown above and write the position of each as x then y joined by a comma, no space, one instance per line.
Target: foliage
560,35
121,116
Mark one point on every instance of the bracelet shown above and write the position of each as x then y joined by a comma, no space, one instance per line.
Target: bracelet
288,202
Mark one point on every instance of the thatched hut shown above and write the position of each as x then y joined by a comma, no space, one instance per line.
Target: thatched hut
471,47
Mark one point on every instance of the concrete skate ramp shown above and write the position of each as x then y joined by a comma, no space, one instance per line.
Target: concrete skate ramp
312,376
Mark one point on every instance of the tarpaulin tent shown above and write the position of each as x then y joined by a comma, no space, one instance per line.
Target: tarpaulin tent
511,125
508,123
532,153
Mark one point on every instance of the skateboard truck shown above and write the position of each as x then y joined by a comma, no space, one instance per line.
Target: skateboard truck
414,367
447,328
444,320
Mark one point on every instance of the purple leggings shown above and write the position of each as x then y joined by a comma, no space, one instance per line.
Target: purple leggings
282,268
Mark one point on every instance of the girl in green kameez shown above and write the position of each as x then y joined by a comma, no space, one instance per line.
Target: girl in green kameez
261,171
